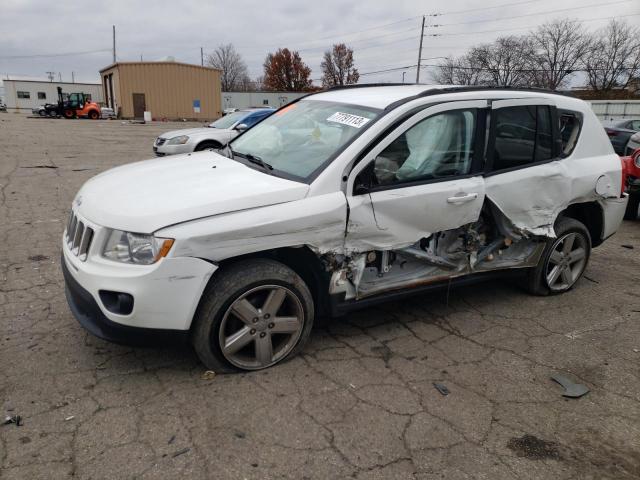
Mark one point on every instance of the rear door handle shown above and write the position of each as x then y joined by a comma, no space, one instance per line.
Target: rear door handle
462,198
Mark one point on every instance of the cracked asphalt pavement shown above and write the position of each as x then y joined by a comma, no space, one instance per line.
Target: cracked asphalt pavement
359,403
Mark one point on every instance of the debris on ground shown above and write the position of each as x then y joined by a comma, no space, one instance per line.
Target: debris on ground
630,247
208,375
69,418
442,388
571,390
38,258
9,419
534,448
180,452
171,440
41,166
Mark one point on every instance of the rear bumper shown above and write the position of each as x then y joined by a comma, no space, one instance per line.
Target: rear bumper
90,316
613,210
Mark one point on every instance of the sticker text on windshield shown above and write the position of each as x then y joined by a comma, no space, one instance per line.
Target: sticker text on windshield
348,119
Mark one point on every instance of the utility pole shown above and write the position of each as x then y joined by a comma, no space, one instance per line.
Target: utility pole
420,51
60,76
114,43
51,76
201,57
73,77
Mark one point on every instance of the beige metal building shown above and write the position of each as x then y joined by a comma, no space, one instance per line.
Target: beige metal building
169,90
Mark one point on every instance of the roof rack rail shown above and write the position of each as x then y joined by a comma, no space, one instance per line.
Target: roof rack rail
472,88
365,85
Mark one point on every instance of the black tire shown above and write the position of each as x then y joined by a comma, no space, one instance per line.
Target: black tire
229,285
631,213
94,115
42,113
536,280
69,114
206,146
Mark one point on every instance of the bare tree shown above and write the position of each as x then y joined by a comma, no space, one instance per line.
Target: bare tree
558,48
614,58
234,69
463,70
505,62
337,66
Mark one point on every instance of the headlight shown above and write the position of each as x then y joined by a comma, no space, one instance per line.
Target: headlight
135,248
181,140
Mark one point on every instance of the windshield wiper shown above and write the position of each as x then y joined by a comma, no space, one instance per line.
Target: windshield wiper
253,159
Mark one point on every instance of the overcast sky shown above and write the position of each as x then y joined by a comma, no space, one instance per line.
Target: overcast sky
384,34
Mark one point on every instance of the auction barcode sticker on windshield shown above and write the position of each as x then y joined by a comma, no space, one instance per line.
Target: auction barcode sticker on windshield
348,119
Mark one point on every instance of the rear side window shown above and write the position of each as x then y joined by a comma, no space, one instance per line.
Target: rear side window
570,124
523,135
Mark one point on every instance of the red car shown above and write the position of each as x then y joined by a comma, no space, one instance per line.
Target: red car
631,172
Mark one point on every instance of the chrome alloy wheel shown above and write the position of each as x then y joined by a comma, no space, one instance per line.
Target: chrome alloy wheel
261,327
566,262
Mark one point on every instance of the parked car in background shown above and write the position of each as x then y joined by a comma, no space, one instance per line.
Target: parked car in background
215,135
107,112
3,107
631,169
227,111
338,201
40,110
633,144
620,132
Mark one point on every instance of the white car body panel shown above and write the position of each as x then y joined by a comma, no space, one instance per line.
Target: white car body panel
317,222
203,184
217,208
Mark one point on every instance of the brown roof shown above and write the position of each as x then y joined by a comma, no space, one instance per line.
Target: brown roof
108,67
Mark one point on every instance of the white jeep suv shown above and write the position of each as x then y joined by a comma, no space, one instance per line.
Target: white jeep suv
340,200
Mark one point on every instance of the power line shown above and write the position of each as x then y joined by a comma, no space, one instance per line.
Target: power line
47,55
469,10
528,27
533,14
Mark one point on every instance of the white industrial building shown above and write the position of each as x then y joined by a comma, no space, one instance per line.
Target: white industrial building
23,95
258,99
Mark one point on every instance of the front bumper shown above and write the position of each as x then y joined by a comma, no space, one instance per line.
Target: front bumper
631,147
165,294
88,313
162,150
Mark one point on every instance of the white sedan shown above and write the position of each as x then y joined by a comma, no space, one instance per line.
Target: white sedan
215,135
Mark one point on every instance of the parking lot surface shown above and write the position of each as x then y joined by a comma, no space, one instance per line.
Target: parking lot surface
359,403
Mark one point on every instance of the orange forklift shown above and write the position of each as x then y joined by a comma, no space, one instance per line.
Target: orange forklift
72,105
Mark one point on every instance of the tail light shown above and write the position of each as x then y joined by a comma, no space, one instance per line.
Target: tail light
626,170
611,132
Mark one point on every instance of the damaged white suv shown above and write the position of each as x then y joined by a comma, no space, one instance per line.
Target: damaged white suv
337,201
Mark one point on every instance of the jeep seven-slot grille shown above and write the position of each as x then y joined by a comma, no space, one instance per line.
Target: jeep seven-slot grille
79,237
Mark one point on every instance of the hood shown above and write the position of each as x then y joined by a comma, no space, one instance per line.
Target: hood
194,131
145,196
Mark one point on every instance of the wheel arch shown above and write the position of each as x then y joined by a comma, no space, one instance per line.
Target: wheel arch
213,143
301,260
591,215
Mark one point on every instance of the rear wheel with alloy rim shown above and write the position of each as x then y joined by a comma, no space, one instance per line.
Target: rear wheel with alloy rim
253,315
563,261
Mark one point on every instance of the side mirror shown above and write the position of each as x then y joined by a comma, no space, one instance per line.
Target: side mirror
241,127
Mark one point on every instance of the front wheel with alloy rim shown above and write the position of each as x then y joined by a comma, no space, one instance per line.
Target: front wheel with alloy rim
253,314
564,259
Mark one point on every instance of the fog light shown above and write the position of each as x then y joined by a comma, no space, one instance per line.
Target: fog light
117,302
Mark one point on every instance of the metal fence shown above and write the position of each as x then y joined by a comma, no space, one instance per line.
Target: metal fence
608,110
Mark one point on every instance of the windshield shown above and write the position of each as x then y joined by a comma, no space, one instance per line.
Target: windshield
228,120
300,138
